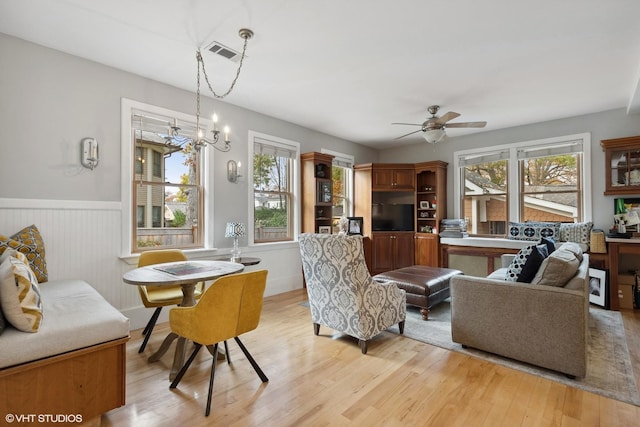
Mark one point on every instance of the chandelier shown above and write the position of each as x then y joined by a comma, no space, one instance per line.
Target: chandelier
201,141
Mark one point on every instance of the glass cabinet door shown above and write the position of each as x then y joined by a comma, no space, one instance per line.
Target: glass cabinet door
622,157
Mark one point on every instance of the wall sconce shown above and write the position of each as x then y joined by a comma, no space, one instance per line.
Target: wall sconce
233,171
89,153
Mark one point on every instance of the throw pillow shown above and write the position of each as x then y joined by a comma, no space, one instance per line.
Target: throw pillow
519,263
549,243
557,269
29,242
579,232
3,322
574,248
20,301
533,230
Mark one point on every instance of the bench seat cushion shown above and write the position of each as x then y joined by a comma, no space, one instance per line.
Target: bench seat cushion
75,316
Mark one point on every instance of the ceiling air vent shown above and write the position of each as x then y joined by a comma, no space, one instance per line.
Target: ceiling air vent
224,51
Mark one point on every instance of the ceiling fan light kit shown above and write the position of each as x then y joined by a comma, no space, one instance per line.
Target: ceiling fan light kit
433,129
433,136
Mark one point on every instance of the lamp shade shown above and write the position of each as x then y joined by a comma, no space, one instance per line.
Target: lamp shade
433,135
235,229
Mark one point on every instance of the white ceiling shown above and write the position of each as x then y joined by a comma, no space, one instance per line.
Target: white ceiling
351,68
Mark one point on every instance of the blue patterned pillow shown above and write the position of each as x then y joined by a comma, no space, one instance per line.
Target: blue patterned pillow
534,231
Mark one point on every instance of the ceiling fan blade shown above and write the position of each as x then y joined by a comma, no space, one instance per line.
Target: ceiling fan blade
467,125
410,133
446,117
408,124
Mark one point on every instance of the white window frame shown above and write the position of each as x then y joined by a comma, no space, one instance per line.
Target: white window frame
295,183
127,106
513,178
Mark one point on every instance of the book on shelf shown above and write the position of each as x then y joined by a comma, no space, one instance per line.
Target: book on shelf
451,227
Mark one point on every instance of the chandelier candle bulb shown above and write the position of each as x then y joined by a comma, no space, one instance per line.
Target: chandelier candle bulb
226,134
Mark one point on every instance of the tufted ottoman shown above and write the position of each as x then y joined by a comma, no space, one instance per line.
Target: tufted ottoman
425,286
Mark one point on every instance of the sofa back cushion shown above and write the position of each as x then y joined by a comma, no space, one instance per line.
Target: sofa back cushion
557,269
574,248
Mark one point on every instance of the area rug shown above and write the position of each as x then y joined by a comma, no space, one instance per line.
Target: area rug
609,369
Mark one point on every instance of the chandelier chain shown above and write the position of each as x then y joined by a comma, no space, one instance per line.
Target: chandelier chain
246,34
206,77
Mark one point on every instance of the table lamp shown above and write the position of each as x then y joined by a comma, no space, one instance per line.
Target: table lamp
235,230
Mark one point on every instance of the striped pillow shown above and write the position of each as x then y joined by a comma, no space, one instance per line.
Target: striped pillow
578,232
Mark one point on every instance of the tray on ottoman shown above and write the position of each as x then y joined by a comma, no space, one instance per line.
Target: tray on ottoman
425,286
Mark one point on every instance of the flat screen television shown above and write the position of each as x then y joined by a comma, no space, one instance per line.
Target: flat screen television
392,217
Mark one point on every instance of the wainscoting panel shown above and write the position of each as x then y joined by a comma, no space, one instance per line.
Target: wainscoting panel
82,241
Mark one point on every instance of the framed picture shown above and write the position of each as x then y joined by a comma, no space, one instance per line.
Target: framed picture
324,229
354,225
424,204
598,288
324,191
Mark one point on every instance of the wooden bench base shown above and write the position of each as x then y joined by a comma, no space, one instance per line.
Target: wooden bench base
86,382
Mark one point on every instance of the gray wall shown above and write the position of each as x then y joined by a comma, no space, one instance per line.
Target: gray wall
50,101
603,125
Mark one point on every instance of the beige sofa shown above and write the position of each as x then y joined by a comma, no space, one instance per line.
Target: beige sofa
543,325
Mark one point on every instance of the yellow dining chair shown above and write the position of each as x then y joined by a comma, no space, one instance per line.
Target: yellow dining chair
161,296
230,307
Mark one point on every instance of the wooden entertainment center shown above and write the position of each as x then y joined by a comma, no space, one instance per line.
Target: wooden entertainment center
380,187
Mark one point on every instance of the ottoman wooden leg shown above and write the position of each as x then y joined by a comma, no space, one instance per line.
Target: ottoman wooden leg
425,313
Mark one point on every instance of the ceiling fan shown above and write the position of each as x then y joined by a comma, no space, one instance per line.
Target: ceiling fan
433,128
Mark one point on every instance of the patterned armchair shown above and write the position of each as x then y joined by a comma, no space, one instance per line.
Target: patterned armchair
342,294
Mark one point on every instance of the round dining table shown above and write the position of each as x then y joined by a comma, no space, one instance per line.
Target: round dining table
186,274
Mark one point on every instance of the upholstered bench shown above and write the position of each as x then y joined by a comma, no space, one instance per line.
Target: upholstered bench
425,286
74,365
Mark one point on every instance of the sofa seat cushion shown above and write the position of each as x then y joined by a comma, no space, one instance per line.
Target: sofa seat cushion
498,274
75,316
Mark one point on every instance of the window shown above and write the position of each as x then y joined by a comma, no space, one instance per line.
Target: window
342,177
157,164
485,196
166,197
274,174
545,180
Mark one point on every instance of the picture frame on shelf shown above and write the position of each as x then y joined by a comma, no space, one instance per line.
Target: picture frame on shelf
324,192
324,229
598,287
354,226
424,204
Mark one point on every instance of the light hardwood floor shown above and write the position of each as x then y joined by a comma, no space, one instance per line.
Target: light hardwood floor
325,380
